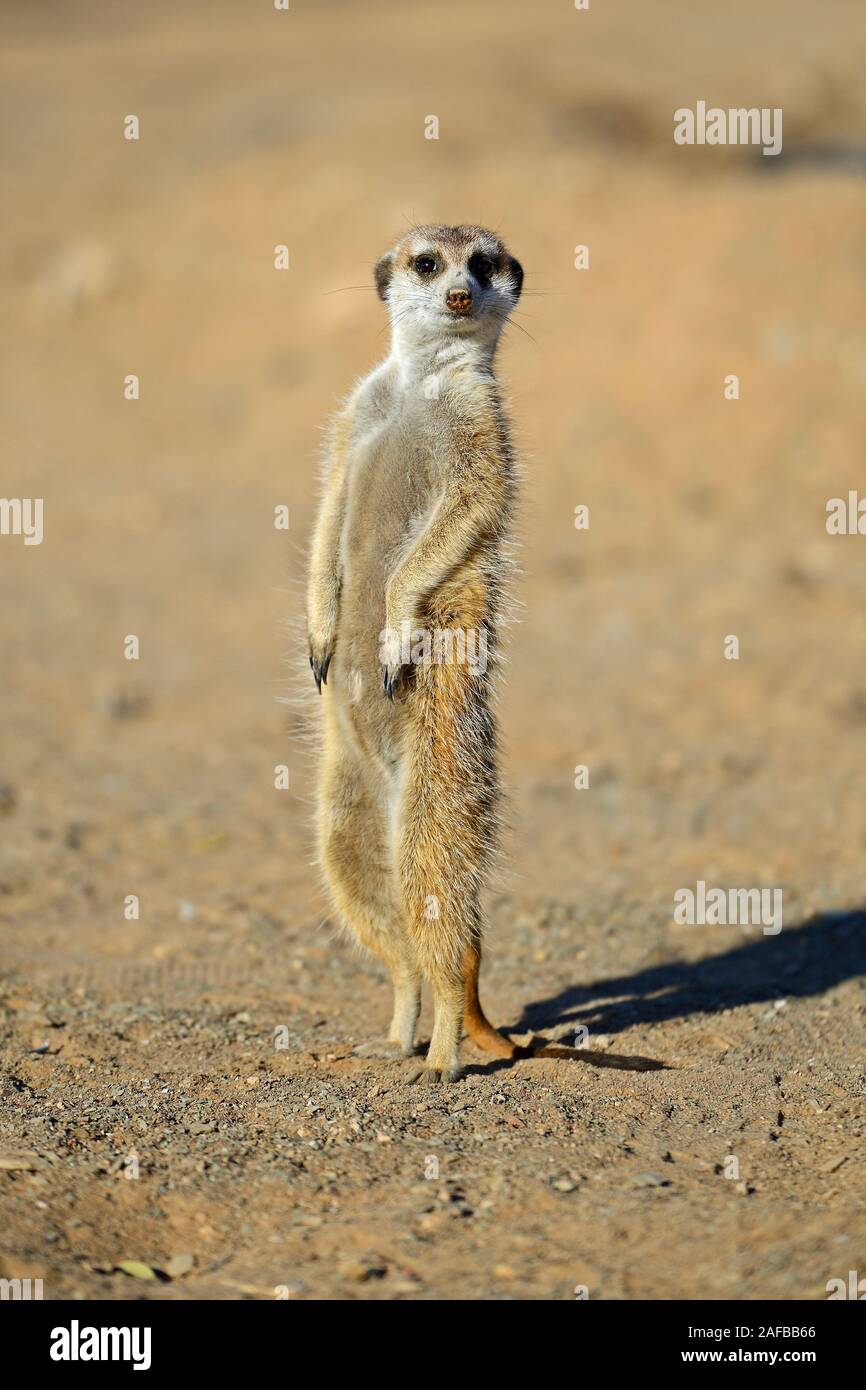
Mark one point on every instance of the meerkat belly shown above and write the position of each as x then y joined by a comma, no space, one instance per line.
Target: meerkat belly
394,488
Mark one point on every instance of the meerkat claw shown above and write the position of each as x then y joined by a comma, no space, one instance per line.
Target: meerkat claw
391,681
320,670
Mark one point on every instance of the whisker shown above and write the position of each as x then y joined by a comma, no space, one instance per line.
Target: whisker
344,288
512,323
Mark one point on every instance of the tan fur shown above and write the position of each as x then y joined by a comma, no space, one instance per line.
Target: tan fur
413,528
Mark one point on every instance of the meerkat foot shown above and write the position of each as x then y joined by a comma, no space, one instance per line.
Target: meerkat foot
425,1075
384,1049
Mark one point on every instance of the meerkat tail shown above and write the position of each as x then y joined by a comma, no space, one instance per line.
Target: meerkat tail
489,1039
476,1023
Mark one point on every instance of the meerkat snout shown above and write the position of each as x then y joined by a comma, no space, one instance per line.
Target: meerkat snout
459,301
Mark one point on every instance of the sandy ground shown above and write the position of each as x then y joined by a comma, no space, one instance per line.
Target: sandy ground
184,1084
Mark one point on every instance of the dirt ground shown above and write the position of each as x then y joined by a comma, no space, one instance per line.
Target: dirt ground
184,1083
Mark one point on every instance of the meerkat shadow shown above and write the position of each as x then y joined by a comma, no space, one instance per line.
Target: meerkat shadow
799,962
552,1052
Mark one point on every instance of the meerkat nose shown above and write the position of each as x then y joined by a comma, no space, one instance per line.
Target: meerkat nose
459,301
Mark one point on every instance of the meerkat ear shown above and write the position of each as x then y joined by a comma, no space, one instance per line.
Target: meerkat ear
382,273
515,270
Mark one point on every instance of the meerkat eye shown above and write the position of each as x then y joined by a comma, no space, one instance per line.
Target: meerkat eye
482,267
425,265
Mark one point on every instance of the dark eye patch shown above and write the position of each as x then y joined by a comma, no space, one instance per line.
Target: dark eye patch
482,267
426,265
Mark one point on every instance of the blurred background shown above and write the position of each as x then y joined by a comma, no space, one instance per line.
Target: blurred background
707,516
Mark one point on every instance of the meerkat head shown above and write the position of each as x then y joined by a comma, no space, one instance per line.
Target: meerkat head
442,283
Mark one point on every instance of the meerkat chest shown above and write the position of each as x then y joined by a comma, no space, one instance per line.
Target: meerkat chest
396,478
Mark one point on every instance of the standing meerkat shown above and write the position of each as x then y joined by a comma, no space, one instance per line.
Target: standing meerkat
406,580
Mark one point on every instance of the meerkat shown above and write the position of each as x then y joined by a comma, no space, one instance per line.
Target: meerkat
412,538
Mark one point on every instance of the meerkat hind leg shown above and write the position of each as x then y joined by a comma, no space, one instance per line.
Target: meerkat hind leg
445,837
441,1063
400,1041
354,856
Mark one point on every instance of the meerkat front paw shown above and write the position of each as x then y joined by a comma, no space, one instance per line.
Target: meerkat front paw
393,659
321,653
395,647
392,680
